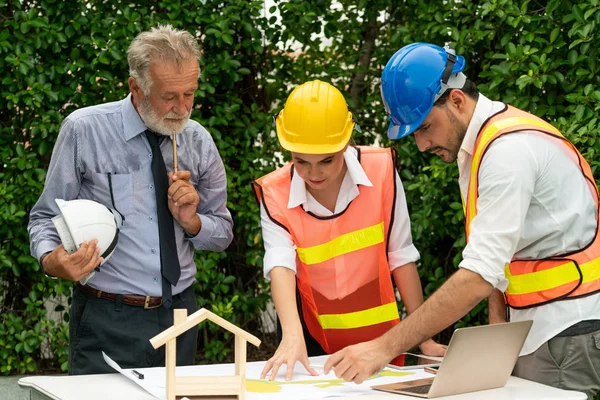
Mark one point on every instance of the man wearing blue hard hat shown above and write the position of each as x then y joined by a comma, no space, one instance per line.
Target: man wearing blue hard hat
531,206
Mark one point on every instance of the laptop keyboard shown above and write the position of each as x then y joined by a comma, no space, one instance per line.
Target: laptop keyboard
423,389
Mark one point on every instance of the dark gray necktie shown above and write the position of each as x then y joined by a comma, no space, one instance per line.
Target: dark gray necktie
169,261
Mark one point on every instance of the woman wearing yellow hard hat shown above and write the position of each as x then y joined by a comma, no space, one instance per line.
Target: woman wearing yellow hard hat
336,228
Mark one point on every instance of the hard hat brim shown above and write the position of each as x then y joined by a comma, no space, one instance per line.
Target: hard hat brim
396,132
315,148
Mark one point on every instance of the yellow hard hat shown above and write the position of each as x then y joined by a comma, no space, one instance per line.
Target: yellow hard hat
314,120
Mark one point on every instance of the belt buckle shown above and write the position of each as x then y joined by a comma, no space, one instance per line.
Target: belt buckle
147,305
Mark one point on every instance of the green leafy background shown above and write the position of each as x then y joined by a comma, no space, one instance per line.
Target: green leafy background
57,56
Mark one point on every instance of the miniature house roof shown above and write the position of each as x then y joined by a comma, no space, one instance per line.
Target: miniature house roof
194,320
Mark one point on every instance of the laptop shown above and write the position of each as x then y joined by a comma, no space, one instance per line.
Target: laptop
477,358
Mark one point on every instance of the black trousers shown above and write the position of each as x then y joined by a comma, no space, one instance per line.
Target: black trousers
123,333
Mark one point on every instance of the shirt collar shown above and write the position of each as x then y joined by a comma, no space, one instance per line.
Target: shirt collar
354,170
484,109
133,124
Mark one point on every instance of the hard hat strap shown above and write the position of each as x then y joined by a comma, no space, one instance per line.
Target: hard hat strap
445,83
119,219
111,246
448,68
356,126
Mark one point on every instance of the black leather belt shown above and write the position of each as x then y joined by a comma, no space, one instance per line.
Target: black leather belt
147,302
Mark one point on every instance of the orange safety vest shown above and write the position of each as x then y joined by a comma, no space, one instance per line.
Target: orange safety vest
342,272
536,282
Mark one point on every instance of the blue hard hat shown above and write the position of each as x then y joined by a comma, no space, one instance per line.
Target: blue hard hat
412,81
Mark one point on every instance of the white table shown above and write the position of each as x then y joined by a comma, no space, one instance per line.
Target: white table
117,387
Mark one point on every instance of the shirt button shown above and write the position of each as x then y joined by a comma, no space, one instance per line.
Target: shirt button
149,155
153,251
150,219
154,279
150,187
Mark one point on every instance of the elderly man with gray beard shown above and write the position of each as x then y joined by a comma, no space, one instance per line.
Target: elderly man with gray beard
119,154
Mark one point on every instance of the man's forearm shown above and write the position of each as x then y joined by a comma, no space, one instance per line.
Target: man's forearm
451,302
497,307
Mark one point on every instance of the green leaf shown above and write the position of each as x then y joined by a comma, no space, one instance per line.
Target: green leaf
512,49
572,56
43,148
454,34
559,76
554,34
575,43
523,80
456,206
75,53
25,27
69,31
589,12
115,54
106,75
20,150
102,57
38,23
227,39
23,69
584,48
579,112
577,13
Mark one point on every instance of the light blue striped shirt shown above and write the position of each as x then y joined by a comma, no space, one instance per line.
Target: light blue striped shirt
109,139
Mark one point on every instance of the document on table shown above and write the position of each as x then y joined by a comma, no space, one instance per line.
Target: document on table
153,386
302,386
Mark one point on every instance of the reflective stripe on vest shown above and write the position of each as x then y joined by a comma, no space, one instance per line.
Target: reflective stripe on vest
536,282
372,316
342,272
485,138
342,244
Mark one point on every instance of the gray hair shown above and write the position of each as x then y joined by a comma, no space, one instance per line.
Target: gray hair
163,43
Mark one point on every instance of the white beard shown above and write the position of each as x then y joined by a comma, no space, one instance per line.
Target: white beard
161,125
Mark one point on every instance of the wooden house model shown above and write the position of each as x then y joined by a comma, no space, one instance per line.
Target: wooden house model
198,386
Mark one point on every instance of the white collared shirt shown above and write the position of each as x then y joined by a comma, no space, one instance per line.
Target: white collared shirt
280,250
533,203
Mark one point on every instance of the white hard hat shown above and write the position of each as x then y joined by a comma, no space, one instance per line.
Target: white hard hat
83,220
